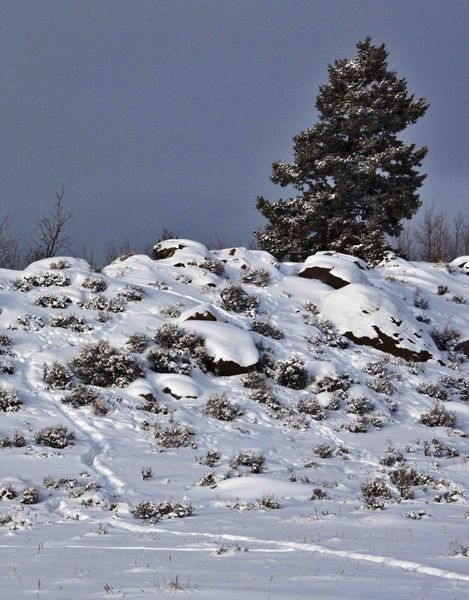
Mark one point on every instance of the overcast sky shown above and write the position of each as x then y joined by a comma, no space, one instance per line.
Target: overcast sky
157,114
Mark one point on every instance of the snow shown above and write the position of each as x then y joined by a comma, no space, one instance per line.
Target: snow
226,342
82,540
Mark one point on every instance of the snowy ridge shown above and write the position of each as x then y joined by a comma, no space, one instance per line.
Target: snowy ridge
322,374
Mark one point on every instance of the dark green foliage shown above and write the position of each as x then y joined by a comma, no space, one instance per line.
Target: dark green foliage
354,179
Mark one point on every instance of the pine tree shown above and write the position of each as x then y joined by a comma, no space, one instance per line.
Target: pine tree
355,180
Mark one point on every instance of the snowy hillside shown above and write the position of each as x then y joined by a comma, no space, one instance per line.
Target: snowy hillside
216,425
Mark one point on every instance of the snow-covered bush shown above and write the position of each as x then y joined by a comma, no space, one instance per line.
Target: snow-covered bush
433,390
259,277
72,322
311,406
446,338
235,299
269,502
55,436
151,512
161,360
9,400
137,342
381,384
333,383
213,265
264,395
359,406
42,280
56,376
131,293
147,473
255,462
220,407
211,458
59,265
171,312
459,384
30,495
208,480
375,492
52,301
438,416
113,305
267,329
100,364
420,301
95,284
404,478
173,435
172,337
7,492
18,440
83,396
291,373
442,290
324,450
439,449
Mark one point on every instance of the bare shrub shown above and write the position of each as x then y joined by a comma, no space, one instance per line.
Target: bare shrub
100,364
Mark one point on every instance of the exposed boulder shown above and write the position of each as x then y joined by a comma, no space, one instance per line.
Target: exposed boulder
368,316
230,350
334,269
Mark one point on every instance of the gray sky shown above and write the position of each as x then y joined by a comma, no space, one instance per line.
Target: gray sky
170,113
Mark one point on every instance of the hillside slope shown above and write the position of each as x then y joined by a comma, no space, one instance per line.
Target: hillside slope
215,424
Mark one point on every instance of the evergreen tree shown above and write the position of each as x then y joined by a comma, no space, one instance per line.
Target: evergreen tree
355,180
